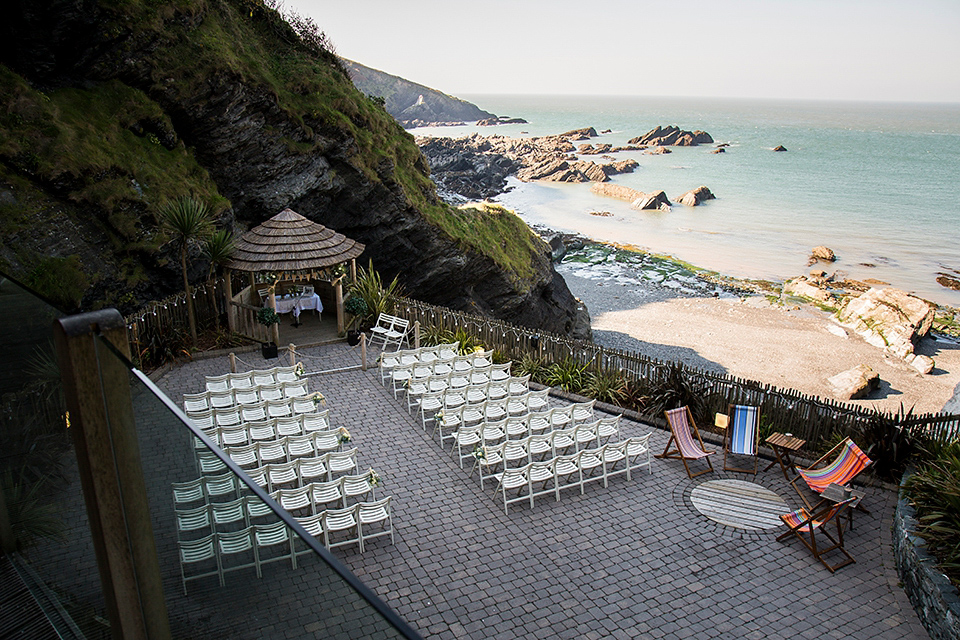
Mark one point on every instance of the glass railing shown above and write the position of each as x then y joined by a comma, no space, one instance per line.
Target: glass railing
232,562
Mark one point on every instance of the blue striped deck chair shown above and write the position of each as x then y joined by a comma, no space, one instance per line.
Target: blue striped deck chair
740,438
682,432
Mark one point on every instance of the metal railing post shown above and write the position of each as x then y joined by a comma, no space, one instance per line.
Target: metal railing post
96,387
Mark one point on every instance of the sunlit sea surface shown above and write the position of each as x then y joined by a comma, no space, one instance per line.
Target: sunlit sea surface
875,182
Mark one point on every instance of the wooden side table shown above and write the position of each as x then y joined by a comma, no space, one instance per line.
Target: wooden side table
783,445
837,493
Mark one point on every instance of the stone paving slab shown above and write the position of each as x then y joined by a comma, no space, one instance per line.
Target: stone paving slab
635,560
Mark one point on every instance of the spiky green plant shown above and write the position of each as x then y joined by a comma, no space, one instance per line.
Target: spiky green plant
677,389
32,515
566,374
468,342
369,286
433,334
935,493
534,366
188,221
218,249
605,386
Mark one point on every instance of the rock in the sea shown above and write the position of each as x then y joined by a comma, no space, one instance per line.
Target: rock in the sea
888,318
673,135
779,147
580,134
657,151
638,199
606,131
805,288
823,253
948,281
854,383
720,150
695,196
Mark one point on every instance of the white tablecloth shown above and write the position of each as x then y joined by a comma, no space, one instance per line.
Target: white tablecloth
297,304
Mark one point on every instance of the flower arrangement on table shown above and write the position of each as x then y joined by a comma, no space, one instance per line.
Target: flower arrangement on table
300,370
374,477
480,453
318,399
343,435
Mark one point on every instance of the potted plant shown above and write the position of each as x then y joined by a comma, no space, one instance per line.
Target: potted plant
268,317
356,307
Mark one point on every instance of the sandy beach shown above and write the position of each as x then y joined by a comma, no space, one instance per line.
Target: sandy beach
791,347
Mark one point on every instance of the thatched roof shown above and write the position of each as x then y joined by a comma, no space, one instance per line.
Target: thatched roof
290,242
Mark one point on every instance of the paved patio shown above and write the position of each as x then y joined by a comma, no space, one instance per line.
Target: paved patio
630,561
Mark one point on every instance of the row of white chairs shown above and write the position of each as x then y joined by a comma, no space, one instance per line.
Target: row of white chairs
312,496
286,449
257,545
297,472
453,406
429,397
515,426
489,455
457,372
227,398
262,430
389,360
574,470
269,410
249,379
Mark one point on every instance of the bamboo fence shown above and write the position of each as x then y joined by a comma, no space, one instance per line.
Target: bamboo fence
812,418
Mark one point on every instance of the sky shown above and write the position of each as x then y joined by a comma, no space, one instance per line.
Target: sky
876,50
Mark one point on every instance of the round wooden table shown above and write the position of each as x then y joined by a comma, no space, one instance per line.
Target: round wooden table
740,504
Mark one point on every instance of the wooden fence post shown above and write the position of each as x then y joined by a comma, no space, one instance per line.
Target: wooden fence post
363,351
233,362
292,353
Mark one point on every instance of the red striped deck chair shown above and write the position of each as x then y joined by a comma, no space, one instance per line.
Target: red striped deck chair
682,432
848,463
740,438
804,525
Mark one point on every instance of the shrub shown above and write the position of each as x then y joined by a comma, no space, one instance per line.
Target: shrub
935,493
433,334
677,390
534,366
605,386
369,287
566,374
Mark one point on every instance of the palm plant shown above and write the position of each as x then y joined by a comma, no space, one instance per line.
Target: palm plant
218,250
566,374
369,286
188,221
605,386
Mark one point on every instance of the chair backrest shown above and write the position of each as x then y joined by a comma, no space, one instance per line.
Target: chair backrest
682,426
743,431
850,462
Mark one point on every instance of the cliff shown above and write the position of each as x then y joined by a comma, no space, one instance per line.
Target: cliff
110,109
410,103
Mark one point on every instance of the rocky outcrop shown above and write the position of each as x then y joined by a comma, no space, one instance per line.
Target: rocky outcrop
810,289
267,147
410,103
950,281
580,134
695,196
779,147
888,318
854,383
492,122
638,199
673,136
657,151
477,166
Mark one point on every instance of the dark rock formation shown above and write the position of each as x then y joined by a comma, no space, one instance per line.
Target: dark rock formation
948,281
657,151
491,122
580,134
780,147
720,150
264,151
674,136
638,199
412,104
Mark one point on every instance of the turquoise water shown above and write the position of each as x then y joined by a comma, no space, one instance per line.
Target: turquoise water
875,182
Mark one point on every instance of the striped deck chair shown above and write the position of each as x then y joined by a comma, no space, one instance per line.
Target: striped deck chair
682,431
848,463
740,438
804,525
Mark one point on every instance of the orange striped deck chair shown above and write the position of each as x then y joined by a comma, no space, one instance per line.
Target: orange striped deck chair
804,525
849,462
682,432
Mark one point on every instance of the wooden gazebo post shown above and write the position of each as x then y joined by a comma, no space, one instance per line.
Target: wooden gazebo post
231,311
338,288
353,270
275,327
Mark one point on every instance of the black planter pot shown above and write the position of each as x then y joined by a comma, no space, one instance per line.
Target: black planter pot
269,350
353,337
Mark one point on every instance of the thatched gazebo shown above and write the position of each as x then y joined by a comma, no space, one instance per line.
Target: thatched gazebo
287,249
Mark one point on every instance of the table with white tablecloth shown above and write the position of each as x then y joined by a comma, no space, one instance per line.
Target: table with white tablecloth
296,304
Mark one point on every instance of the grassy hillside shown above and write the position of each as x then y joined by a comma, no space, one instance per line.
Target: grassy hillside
97,155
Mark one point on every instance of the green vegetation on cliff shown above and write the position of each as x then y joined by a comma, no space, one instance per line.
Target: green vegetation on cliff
100,149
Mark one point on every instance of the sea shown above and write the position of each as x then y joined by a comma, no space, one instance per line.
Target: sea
878,183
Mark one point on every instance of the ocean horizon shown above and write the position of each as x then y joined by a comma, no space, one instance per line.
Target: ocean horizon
871,180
